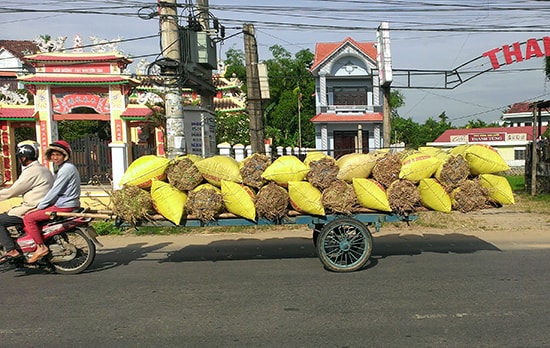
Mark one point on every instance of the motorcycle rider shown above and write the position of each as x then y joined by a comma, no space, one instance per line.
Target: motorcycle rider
33,184
64,195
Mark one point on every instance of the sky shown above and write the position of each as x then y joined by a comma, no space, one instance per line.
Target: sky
425,36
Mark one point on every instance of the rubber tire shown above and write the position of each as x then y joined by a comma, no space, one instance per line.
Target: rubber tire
83,260
344,245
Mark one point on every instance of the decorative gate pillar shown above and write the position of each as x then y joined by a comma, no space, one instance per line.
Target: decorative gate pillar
119,135
46,127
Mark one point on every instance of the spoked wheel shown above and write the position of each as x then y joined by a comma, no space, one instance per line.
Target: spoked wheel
344,245
79,253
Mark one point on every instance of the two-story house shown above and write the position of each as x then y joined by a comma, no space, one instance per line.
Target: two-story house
348,98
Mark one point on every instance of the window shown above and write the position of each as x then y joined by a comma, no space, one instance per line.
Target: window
519,154
350,96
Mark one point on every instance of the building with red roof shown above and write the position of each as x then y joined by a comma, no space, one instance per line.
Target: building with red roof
510,142
348,100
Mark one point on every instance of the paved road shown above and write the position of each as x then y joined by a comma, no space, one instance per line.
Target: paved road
268,290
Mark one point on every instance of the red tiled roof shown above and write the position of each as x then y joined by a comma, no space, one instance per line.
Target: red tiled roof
76,79
137,111
15,112
77,57
19,48
340,118
325,49
446,136
519,108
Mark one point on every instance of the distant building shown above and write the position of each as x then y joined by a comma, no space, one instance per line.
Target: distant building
12,61
510,142
521,114
347,97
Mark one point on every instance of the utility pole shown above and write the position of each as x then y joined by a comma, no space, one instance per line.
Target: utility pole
207,98
535,107
170,43
255,112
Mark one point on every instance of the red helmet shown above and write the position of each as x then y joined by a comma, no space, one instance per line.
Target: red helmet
59,146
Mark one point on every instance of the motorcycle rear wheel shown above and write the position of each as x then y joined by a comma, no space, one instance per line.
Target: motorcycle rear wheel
85,253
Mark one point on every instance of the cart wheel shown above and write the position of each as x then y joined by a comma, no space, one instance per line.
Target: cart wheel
344,245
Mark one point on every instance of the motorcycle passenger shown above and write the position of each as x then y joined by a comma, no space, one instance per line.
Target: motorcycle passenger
64,196
33,184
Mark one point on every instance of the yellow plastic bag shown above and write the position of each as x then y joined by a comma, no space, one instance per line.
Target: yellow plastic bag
371,194
315,156
284,169
417,166
433,195
305,198
239,199
217,168
484,159
141,171
356,165
168,200
499,188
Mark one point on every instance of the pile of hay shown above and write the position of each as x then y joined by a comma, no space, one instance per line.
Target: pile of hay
403,197
204,204
252,169
454,171
322,173
387,168
469,196
132,204
271,202
339,197
183,174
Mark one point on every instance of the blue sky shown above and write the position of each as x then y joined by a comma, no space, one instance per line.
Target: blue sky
440,35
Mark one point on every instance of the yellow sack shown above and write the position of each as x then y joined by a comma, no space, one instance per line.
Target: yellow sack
315,156
305,198
371,194
217,168
484,159
284,169
417,166
141,171
356,165
168,200
434,152
499,188
433,195
459,150
239,199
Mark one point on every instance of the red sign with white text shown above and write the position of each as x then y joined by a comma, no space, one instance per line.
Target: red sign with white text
479,137
79,69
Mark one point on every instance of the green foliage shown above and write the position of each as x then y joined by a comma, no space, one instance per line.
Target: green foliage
104,228
415,135
233,128
71,130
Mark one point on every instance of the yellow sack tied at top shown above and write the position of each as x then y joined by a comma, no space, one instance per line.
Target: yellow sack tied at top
356,165
315,156
484,159
284,169
217,168
433,195
499,188
417,166
371,194
305,197
168,200
434,152
239,199
141,171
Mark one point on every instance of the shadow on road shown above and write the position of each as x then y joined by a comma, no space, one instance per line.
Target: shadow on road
276,248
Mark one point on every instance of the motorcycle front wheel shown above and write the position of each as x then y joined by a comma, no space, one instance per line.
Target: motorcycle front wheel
84,250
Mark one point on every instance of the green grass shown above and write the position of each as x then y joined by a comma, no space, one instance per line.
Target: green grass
517,182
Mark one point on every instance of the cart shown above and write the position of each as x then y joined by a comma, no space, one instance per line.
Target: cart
343,242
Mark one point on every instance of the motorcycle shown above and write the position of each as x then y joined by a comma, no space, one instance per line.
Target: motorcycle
71,240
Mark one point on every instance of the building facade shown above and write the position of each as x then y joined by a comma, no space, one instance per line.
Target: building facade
347,97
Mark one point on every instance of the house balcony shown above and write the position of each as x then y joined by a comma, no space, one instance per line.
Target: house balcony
355,109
